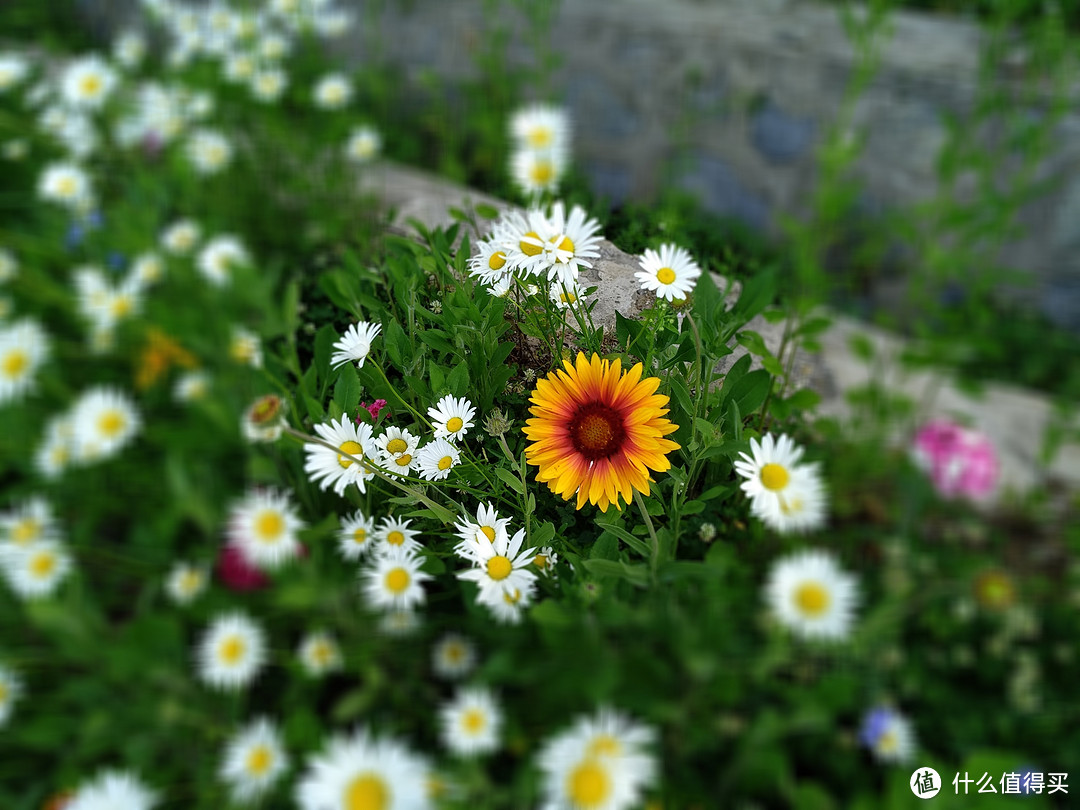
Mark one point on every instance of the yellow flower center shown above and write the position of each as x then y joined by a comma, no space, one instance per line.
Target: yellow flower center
321,653
888,742
66,186
588,785
454,653
395,538
497,260
121,306
397,580
446,462
567,244
3,694
774,477
359,536
15,363
512,598
266,409
367,792
567,298
269,525
489,533
232,650
25,531
111,423
90,85
190,581
811,598
353,449
539,137
474,721
259,760
403,460
540,561
43,564
542,172
453,424
499,567
528,248
397,446
665,275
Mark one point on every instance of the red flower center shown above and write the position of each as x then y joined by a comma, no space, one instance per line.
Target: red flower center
597,431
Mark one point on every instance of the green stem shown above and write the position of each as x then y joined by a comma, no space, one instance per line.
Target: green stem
654,560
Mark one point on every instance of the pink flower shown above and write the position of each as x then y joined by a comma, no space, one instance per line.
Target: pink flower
959,461
237,573
373,408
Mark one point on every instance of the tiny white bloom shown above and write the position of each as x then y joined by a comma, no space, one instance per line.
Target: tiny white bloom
35,570
540,127
191,385
66,184
364,144
87,82
209,151
328,468
13,69
129,48
254,759
500,566
105,420
333,92
24,347
357,536
452,418
786,493
219,256
268,85
395,533
437,458
185,582
811,595
535,172
11,690
397,449
28,522
231,652
264,526
57,450
113,790
181,237
453,656
319,654
471,723
393,580
487,521
889,735
244,347
671,273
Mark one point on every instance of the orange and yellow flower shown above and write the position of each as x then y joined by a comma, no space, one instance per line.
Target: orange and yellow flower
597,431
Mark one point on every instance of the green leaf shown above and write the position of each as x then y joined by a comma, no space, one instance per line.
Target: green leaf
437,339
396,343
804,399
324,343
635,543
674,570
754,342
606,547
487,211
314,409
862,346
757,293
750,392
635,574
347,389
627,331
510,480
458,381
772,365
437,378
543,534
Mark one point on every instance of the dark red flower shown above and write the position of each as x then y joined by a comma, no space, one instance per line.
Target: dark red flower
237,573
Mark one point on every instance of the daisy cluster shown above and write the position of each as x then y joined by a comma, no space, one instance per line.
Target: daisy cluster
541,139
34,558
542,246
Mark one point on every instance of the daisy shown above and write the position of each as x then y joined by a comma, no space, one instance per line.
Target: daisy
888,735
11,689
129,49
672,273
264,419
35,570
510,607
112,790
596,431
355,344
329,468
541,127
219,256
566,242
395,533
564,295
786,494
397,449
394,580
603,762
56,452
331,22
105,420
24,347
273,47
364,771
319,654
487,522
263,525
87,83
147,268
471,723
357,536
454,656
268,85
13,69
191,386
240,67
28,522
545,560
364,144
185,582
181,237
254,759
231,652
244,347
333,92
535,172
452,418
808,593
437,458
208,151
399,623
66,184
500,566
489,265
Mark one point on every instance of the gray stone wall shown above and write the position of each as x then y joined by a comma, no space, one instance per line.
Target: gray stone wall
730,99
